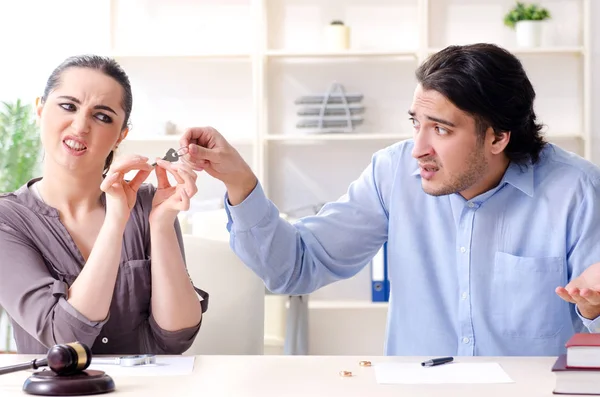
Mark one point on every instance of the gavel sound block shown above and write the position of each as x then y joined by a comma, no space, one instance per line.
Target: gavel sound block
49,383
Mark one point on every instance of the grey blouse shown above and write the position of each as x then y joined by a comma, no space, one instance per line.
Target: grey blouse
39,261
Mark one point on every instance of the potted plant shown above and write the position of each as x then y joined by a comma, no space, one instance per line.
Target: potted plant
527,19
20,145
337,36
19,153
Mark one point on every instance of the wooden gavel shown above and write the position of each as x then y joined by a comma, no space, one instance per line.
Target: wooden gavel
63,359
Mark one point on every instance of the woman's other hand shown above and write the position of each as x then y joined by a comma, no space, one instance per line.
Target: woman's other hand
121,194
170,200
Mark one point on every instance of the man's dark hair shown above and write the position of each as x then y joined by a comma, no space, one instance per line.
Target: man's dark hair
491,85
106,65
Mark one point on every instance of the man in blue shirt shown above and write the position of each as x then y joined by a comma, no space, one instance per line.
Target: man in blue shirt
484,220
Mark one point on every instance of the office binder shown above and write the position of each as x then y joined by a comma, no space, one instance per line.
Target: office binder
380,285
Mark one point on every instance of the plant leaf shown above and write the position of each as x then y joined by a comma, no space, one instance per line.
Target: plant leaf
20,145
525,12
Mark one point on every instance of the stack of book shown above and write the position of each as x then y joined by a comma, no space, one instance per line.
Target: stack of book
578,371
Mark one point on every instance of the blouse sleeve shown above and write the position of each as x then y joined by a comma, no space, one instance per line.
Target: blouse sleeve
34,299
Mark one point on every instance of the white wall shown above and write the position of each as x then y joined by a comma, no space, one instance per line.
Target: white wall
37,35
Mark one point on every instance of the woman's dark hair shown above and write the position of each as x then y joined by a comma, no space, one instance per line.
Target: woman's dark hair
490,84
106,65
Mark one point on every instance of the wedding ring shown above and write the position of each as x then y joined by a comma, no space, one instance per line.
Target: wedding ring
364,363
345,374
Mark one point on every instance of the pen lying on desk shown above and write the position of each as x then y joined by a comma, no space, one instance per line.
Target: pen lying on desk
437,361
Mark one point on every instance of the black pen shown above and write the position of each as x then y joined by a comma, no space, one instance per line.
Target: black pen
437,361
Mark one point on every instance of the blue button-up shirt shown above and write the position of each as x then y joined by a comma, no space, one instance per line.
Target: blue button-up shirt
468,277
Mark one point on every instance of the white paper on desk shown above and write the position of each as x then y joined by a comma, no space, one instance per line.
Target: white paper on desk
414,373
165,366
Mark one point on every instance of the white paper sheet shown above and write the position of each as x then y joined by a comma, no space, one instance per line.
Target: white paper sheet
414,373
164,366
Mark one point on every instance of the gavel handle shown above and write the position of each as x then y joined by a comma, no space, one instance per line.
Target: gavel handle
33,364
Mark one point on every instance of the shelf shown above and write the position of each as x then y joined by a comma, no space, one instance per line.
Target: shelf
207,56
159,138
410,55
175,138
562,136
377,137
535,51
407,55
338,137
343,304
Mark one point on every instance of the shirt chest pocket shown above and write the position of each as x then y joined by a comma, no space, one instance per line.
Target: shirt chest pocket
524,302
133,292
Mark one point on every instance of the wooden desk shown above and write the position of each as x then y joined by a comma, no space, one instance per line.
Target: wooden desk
290,376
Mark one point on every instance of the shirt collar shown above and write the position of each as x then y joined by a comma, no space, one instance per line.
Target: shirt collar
519,176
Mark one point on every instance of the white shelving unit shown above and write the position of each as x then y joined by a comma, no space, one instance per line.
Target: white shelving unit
238,65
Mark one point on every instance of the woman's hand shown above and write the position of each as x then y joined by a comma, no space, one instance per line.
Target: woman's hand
121,194
169,200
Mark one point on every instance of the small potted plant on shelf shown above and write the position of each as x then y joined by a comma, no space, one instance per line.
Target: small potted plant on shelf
527,20
337,36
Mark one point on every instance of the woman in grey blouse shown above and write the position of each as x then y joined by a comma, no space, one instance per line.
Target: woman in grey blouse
87,255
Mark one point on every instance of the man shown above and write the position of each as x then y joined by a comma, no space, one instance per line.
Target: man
484,220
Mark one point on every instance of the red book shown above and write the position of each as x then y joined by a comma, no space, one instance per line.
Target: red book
584,340
575,380
583,351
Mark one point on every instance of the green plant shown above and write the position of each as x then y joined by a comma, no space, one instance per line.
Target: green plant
525,12
19,145
19,152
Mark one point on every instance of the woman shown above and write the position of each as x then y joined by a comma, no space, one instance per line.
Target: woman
86,255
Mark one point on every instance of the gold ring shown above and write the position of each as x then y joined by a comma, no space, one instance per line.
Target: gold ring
364,363
81,354
345,374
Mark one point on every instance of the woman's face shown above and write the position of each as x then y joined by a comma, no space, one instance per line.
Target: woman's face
82,119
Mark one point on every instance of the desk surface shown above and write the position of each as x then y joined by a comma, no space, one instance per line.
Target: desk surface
266,376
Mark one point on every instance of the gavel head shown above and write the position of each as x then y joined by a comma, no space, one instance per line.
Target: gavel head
69,358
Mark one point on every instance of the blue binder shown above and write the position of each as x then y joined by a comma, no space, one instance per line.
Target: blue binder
380,285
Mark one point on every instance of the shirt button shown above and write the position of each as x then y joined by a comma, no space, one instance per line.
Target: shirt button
464,295
471,205
466,340
463,249
105,340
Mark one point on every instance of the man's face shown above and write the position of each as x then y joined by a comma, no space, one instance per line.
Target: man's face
451,154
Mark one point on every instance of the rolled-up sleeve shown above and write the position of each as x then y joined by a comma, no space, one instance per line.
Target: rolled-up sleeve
177,342
34,299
